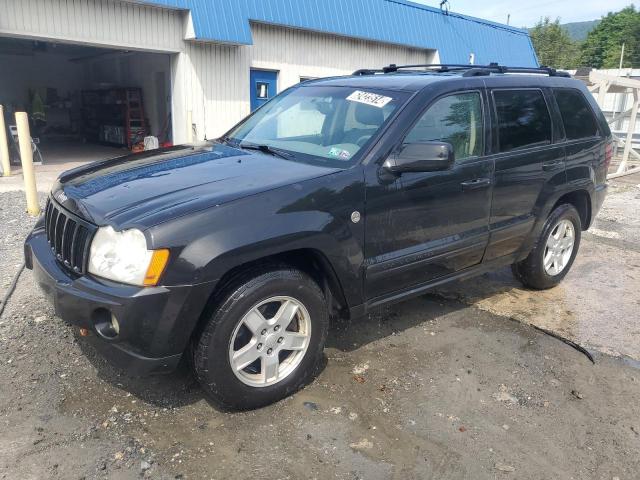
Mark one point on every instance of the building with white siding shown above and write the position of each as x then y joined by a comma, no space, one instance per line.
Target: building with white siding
72,61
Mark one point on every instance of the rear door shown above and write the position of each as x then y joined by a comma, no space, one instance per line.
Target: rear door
527,161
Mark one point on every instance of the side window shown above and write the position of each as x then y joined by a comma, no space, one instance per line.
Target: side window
523,119
455,119
577,116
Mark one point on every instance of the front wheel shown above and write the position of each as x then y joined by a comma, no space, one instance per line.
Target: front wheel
263,341
555,251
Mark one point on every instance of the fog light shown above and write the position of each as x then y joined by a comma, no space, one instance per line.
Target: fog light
114,324
106,323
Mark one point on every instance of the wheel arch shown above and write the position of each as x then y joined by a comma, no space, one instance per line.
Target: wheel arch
311,261
581,200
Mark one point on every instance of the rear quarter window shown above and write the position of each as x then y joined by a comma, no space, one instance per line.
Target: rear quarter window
576,113
523,119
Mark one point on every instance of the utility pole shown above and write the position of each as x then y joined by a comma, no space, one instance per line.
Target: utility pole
508,18
621,58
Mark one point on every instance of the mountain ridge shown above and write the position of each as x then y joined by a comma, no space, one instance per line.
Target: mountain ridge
578,30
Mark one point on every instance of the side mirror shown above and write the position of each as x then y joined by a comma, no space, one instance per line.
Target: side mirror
420,157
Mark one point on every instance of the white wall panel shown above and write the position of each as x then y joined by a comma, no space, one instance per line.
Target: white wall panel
213,80
109,23
298,53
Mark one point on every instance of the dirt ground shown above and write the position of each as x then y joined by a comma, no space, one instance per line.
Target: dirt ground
456,384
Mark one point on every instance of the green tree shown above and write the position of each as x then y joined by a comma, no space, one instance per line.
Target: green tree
603,45
553,44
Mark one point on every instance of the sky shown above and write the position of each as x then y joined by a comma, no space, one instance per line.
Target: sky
525,13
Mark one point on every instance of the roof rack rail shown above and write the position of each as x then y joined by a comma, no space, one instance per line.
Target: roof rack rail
366,71
470,70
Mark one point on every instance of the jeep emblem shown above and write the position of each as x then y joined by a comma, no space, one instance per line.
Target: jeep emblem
61,196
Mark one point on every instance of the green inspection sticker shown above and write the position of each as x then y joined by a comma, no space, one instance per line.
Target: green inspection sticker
339,153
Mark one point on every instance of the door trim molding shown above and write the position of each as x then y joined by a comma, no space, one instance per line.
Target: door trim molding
403,260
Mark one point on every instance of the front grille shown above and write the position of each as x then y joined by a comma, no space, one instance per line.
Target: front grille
69,237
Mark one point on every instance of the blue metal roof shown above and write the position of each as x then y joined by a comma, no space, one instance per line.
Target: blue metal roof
393,21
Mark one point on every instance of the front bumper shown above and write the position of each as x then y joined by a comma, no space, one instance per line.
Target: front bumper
155,323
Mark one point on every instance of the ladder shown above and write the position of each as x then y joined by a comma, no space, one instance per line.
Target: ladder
135,126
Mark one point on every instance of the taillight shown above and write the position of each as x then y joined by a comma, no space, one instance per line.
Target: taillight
608,154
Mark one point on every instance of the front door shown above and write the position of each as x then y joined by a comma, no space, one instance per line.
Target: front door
264,86
427,225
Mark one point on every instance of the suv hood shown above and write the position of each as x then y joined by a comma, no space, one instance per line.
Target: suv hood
149,188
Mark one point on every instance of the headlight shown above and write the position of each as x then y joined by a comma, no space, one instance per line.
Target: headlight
123,257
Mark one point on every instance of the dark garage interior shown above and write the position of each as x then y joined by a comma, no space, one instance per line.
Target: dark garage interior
84,103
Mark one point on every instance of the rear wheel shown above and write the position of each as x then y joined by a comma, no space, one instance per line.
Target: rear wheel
264,340
553,256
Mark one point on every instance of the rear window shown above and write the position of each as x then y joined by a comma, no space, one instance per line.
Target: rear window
523,119
577,116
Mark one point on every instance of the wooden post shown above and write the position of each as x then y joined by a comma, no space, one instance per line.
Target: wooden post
602,92
604,83
4,146
630,132
26,157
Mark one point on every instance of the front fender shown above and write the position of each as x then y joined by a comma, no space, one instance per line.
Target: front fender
309,215
295,231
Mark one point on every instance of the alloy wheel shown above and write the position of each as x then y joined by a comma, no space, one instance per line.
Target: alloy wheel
559,247
270,341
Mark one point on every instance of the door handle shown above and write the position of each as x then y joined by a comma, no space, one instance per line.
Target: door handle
550,166
476,184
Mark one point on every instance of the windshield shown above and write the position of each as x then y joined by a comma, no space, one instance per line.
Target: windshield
321,125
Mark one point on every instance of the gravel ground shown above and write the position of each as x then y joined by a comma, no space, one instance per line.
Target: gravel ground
431,388
15,224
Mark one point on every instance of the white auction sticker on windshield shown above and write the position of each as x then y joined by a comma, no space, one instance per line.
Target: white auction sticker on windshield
369,98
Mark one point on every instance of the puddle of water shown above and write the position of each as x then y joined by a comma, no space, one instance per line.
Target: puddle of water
596,306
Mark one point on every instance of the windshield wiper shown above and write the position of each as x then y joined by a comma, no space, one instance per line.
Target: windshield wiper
266,149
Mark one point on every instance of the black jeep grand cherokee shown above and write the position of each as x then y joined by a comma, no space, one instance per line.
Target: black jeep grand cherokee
336,196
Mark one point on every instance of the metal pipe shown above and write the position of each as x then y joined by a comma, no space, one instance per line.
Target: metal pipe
630,171
190,138
4,146
26,157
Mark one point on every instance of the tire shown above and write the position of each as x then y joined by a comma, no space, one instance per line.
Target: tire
234,335
532,271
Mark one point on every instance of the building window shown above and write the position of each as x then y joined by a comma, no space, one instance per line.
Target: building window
262,90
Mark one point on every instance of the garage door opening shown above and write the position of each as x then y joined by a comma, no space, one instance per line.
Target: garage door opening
85,103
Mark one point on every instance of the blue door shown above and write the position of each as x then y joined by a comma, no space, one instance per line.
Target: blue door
264,86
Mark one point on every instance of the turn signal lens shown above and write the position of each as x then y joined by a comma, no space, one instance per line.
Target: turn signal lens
157,265
608,154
